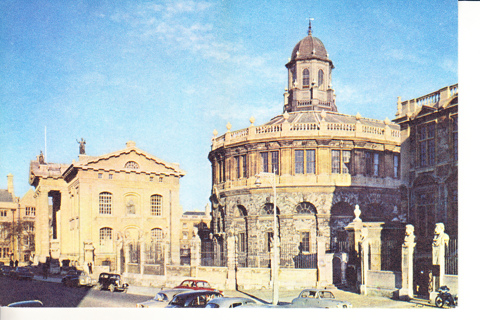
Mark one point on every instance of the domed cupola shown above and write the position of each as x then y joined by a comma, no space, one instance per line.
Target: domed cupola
309,47
309,77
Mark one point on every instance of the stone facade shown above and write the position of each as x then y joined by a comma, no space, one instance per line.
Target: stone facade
17,225
429,157
323,162
106,209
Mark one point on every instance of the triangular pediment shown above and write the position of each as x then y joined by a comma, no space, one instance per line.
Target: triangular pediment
130,159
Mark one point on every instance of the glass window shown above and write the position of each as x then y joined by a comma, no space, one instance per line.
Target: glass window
238,167
426,144
244,164
305,208
268,209
156,234
30,211
376,164
305,244
242,243
306,78
346,155
269,241
311,161
156,205
264,156
100,176
274,162
131,165
395,166
3,213
335,161
105,236
320,77
105,203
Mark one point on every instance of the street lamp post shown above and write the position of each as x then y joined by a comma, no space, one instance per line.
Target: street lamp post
271,176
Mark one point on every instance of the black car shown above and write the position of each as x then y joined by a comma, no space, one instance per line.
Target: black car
21,273
5,271
193,299
76,278
112,282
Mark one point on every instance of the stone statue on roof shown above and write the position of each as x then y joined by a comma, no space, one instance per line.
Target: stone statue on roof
82,146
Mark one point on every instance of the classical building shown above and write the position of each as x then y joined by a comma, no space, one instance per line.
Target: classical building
429,162
17,225
107,209
324,163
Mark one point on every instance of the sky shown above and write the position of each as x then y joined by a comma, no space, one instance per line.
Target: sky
165,74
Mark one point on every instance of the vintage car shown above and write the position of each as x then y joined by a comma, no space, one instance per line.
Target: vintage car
193,299
309,298
26,304
161,299
193,284
229,302
77,278
5,271
21,273
112,282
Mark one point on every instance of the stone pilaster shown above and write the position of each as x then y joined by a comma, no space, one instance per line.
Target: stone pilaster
231,274
408,247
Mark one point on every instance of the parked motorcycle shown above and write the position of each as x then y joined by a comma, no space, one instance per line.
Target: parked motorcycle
444,297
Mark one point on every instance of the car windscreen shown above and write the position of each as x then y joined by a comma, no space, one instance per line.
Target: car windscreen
178,301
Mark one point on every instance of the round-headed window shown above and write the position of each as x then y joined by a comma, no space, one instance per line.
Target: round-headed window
131,165
305,208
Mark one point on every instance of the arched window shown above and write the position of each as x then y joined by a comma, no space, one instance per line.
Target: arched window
242,211
105,203
131,165
156,234
306,78
268,209
305,208
106,236
320,77
156,205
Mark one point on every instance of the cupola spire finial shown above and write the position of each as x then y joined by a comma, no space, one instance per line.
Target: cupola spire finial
310,26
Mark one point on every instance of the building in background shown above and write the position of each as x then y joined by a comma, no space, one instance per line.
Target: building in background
17,225
429,158
324,164
107,210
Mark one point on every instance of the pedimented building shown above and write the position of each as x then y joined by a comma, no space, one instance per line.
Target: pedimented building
103,209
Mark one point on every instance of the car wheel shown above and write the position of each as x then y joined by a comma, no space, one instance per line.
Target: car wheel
111,288
439,302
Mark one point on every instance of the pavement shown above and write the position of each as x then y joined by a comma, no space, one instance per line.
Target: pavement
265,296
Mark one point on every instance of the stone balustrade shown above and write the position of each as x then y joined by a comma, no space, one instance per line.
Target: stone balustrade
433,99
374,130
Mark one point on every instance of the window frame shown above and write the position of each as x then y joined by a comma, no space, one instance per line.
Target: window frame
105,201
156,209
304,163
305,245
305,78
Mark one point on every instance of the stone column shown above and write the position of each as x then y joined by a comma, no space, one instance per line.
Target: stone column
231,258
42,227
440,240
406,292
322,271
344,261
142,256
195,252
127,256
365,248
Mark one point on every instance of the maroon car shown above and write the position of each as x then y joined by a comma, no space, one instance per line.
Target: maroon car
196,285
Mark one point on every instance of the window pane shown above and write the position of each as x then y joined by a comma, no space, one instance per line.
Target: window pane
156,204
320,77
431,151
275,162
264,156
345,159
105,203
237,167
305,244
299,161
376,164
310,161
306,78
335,161
244,163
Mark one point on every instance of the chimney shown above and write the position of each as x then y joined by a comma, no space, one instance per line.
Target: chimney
10,184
